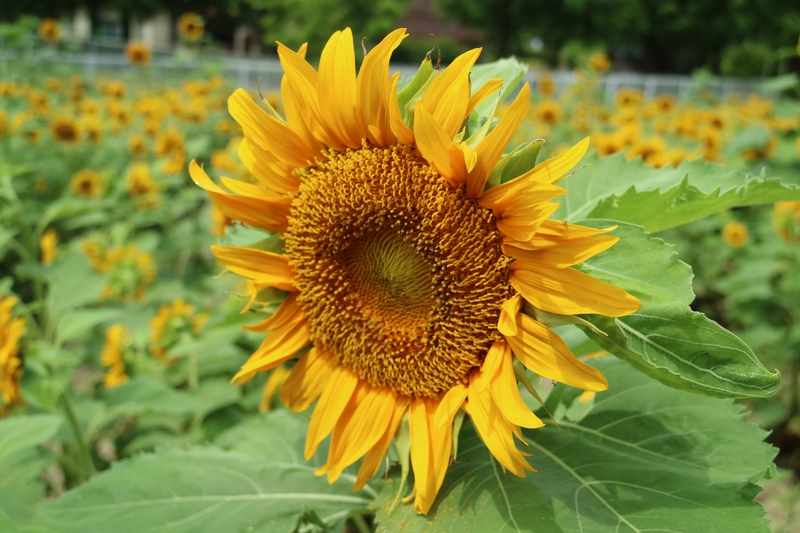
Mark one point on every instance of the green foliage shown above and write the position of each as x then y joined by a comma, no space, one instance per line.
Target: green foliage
643,457
658,199
746,60
294,22
665,339
249,488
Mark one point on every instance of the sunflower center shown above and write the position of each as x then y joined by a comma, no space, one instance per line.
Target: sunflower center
401,275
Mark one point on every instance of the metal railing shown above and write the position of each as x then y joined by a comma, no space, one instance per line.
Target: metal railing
266,72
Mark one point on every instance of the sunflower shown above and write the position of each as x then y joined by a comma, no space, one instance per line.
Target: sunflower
137,145
138,53
11,330
548,112
786,220
190,26
142,187
65,129
735,234
117,337
415,277
173,321
546,84
47,244
599,62
50,30
86,183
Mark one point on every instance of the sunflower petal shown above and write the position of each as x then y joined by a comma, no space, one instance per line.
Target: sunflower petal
566,291
260,164
372,461
257,265
448,96
450,404
505,393
279,346
267,131
507,323
396,122
370,85
566,255
544,352
430,452
340,388
491,147
490,87
336,87
438,148
307,379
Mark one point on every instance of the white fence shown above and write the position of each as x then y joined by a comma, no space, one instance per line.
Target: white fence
248,72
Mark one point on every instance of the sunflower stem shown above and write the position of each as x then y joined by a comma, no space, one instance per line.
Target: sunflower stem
86,454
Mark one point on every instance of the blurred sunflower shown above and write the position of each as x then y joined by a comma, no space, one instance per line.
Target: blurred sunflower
142,188
599,62
93,127
190,26
138,53
546,85
117,337
406,274
628,98
172,321
47,245
86,183
137,145
65,129
548,112
786,220
11,370
735,234
50,30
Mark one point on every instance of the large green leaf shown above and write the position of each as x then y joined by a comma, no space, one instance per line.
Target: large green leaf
209,489
665,339
663,198
21,463
645,458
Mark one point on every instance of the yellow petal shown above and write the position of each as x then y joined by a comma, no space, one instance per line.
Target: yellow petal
507,323
303,80
491,147
336,87
259,163
566,255
492,86
267,131
293,109
556,233
289,312
341,385
373,77
448,96
505,393
279,346
373,459
569,292
450,404
270,214
492,364
438,148
495,431
364,429
521,225
430,452
257,265
396,122
307,380
544,352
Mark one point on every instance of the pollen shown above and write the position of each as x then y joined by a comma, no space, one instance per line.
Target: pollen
402,276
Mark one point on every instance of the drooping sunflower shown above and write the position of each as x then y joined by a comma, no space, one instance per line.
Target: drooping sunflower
190,26
417,273
138,53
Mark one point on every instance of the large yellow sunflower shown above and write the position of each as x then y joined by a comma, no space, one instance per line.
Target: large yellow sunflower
415,277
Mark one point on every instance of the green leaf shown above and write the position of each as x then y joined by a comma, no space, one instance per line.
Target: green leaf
658,199
79,322
208,489
23,432
645,458
510,70
21,463
665,339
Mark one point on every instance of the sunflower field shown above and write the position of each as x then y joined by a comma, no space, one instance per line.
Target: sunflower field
369,302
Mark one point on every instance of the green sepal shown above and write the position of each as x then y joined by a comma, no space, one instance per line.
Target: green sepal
411,93
512,165
458,420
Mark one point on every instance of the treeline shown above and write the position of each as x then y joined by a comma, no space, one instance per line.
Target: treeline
734,37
